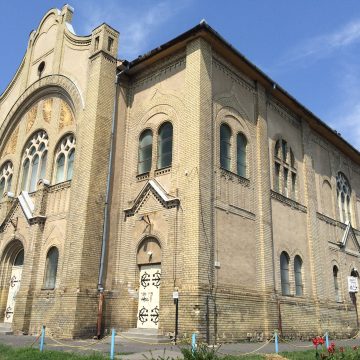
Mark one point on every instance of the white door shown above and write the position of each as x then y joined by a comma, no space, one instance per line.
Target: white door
13,290
149,297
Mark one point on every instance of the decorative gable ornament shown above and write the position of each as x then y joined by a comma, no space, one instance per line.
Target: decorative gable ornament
153,187
349,234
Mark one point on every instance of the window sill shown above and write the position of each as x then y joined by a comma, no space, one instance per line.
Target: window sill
142,177
48,289
233,176
162,171
288,201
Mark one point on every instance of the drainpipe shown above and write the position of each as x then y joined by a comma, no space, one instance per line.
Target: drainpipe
105,236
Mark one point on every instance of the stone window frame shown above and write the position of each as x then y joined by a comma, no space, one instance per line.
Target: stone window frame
343,191
233,151
32,149
336,284
299,284
50,275
285,168
6,177
154,168
65,147
285,274
159,165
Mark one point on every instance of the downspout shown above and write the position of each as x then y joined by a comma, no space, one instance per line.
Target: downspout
105,235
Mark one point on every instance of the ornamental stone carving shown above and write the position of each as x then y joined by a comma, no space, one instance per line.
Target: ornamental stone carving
47,109
31,118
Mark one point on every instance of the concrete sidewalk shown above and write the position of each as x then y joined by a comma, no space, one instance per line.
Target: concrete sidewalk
129,350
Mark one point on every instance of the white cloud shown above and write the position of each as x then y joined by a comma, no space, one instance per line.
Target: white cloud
325,45
135,23
345,116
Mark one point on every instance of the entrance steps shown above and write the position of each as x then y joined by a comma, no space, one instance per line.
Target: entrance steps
5,329
145,336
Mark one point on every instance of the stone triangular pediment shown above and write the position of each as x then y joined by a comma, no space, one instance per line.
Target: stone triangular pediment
349,240
151,195
25,203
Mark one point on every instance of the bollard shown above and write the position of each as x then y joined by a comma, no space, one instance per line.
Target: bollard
112,348
42,340
276,342
327,340
193,343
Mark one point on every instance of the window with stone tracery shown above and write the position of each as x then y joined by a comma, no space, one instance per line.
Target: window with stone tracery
343,191
6,173
64,159
284,169
34,161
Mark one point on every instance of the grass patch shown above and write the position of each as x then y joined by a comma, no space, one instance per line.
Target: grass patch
299,355
10,353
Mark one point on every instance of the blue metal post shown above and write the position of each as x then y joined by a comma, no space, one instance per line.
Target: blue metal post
193,342
276,342
42,338
327,339
112,349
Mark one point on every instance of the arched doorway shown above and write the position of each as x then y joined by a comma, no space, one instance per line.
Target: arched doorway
12,264
149,262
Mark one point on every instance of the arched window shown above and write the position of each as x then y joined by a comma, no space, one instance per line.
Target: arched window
241,154
34,161
284,269
145,152
64,159
298,275
165,145
51,265
6,173
343,191
284,169
225,147
336,283
19,260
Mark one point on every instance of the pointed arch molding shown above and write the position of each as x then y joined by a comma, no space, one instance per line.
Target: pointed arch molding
152,186
49,85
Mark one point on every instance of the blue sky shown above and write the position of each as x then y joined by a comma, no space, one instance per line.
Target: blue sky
311,48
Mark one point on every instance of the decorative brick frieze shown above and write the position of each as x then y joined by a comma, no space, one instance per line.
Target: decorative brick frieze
287,201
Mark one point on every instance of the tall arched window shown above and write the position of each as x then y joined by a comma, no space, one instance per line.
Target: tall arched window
165,145
284,270
6,173
145,152
225,147
298,275
336,283
51,265
284,169
64,159
241,154
34,161
343,191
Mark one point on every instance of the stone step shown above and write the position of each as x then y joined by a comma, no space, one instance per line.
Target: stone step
5,329
143,335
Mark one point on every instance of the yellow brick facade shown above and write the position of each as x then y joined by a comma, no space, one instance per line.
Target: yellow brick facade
218,236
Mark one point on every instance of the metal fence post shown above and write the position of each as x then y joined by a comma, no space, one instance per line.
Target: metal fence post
42,340
193,343
112,348
276,342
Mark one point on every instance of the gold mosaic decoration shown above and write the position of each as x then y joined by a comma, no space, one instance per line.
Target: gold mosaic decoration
31,117
66,117
47,108
11,145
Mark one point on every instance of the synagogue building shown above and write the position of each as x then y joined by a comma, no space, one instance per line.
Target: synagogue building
185,182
